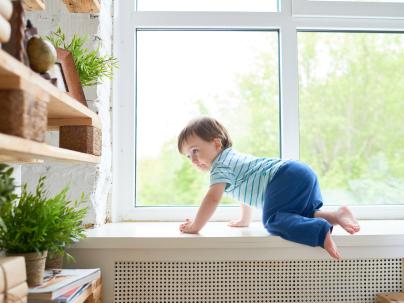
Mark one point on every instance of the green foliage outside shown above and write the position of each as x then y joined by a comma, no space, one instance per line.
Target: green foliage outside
92,67
351,106
350,118
35,223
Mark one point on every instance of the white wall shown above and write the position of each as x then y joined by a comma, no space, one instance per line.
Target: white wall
94,180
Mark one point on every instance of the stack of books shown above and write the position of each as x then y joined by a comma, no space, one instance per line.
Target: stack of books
66,286
6,9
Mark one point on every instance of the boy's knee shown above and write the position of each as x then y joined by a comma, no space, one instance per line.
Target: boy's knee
272,225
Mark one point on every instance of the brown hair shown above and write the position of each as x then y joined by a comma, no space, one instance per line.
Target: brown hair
207,129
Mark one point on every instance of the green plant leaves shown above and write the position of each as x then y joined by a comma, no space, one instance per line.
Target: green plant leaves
35,222
7,186
91,66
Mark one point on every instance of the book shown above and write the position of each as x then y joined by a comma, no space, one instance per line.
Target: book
80,295
72,294
56,285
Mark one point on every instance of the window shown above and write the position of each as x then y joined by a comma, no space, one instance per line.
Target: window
208,5
279,74
230,75
351,92
386,9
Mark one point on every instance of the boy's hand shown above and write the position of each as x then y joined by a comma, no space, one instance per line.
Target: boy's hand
188,227
239,223
245,218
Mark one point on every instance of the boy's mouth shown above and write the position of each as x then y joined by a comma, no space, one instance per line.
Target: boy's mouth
201,166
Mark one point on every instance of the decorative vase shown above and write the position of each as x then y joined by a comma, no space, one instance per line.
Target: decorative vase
34,265
54,261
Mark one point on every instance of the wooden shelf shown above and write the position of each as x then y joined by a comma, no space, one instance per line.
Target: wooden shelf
62,110
73,6
17,149
83,6
34,5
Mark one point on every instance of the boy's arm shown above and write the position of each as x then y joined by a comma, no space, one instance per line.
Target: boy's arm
245,219
206,210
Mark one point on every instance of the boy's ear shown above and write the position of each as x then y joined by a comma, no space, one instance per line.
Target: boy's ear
218,143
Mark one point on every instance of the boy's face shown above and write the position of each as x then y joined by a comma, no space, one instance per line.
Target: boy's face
201,152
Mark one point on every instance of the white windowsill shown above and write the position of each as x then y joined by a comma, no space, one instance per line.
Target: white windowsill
377,238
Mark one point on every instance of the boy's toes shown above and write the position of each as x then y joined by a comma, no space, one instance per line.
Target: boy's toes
353,228
330,247
350,230
333,252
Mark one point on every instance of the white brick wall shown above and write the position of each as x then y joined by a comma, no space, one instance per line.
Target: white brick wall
93,180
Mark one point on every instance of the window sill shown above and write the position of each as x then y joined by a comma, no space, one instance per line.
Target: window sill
377,238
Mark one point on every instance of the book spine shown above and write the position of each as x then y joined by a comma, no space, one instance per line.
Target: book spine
6,9
5,30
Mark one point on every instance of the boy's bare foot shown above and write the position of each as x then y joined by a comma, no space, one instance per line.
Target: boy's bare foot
346,219
330,247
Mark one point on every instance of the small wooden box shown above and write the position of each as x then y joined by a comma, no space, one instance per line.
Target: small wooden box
392,297
85,139
22,115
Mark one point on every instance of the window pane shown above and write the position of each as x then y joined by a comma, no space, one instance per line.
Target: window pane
209,5
387,1
351,88
230,75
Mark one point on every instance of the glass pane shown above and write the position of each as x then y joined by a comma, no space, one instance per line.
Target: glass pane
351,88
385,1
209,5
229,75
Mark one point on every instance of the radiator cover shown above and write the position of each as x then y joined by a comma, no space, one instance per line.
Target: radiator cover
356,280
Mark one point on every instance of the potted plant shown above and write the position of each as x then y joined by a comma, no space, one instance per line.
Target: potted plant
91,66
32,224
69,228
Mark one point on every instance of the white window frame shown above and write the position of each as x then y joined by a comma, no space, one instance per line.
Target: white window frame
347,9
294,16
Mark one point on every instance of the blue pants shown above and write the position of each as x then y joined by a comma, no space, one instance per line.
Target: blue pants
291,199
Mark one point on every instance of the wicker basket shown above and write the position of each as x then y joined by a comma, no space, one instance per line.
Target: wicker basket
54,262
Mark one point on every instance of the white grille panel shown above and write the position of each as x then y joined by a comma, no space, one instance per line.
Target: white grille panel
256,281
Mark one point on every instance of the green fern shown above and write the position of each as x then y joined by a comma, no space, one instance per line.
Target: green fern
92,68
35,223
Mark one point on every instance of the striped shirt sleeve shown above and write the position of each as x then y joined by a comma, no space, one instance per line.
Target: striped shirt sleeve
222,174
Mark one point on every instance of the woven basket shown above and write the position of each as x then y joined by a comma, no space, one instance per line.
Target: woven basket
54,262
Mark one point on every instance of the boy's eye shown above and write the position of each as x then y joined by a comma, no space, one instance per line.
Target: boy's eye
193,152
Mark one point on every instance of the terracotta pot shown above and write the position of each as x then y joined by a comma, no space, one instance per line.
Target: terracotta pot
35,266
54,261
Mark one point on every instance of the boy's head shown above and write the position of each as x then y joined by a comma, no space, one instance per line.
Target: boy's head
201,140
207,129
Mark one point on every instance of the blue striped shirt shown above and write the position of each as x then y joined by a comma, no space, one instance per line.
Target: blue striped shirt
246,176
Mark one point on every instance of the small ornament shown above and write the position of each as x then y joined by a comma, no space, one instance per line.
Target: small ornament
41,54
